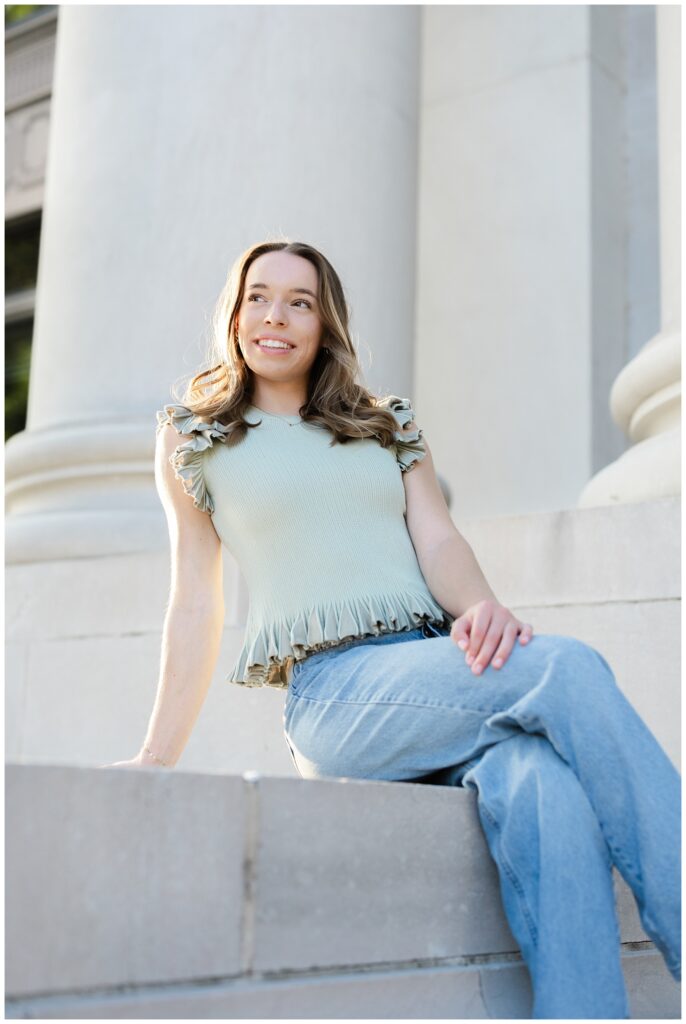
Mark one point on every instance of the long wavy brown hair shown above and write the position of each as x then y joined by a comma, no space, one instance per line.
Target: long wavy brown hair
335,399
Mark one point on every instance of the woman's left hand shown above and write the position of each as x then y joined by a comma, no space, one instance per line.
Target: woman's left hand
487,629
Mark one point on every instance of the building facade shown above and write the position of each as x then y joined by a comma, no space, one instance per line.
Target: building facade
499,190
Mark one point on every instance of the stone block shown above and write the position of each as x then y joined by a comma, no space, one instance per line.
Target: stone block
653,992
617,553
16,664
120,876
88,700
356,872
361,873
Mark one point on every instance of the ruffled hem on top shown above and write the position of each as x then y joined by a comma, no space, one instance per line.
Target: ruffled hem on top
267,659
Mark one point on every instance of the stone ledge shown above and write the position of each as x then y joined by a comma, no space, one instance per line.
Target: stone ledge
581,556
154,878
501,991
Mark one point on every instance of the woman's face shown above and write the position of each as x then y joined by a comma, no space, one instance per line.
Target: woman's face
280,303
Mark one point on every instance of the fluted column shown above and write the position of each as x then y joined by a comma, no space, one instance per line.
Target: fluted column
179,136
645,399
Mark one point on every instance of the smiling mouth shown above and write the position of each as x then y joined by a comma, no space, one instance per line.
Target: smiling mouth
282,347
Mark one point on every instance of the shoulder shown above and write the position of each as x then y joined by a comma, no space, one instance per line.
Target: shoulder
400,407
409,443
183,447
185,421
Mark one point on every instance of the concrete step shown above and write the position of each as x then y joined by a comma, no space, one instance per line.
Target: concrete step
155,894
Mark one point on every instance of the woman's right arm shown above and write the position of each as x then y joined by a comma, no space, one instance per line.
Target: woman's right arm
194,620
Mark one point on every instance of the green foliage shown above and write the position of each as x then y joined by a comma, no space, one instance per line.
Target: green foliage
17,367
17,12
22,244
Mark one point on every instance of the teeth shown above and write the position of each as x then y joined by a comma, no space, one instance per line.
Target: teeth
273,344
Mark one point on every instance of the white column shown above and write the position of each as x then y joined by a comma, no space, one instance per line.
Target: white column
646,396
179,136
505,322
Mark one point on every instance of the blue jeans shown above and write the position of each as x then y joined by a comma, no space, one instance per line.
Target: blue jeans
565,771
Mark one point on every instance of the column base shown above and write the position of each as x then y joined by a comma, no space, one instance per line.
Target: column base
56,536
650,469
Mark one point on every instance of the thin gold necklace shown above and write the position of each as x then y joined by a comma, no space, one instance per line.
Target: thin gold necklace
275,416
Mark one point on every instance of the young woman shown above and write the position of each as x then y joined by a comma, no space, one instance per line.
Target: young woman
399,662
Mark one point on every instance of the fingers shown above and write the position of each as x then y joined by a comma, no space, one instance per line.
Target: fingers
507,637
484,633
484,627
498,637
526,634
459,632
506,644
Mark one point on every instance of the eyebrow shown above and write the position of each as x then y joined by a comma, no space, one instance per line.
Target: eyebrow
306,291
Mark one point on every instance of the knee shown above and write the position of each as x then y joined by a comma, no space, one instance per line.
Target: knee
522,756
524,772
578,669
582,655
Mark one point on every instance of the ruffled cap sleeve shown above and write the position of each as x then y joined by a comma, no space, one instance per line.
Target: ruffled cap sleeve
409,445
187,459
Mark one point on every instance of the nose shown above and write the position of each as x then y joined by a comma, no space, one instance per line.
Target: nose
275,314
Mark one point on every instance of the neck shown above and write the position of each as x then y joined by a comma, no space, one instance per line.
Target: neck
279,402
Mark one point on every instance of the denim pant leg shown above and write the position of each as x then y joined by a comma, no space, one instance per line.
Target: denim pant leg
628,779
633,787
555,877
403,707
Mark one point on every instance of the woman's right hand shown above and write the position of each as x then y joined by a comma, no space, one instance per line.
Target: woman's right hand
141,760
135,762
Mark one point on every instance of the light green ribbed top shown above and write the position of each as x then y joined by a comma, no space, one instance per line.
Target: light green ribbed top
317,529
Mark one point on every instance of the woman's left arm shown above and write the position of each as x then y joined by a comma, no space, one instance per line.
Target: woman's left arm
483,628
